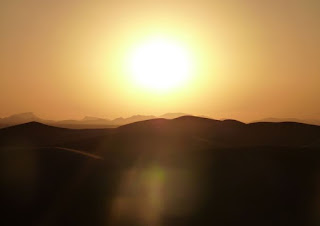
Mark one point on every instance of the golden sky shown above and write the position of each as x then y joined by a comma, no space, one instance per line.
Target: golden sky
251,59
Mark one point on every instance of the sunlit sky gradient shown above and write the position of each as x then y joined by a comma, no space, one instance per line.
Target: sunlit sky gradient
253,59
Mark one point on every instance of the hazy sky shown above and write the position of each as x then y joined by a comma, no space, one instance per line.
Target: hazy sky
253,59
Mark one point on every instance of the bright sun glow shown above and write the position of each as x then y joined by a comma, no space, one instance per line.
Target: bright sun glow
160,64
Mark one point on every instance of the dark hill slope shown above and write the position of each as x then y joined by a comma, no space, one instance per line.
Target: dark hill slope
35,134
183,133
172,137
227,133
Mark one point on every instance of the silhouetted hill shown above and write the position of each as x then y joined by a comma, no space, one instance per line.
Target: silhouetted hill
226,133
94,122
35,134
85,123
230,133
305,121
31,132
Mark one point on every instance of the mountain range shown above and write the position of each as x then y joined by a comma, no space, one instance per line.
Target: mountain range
88,122
185,130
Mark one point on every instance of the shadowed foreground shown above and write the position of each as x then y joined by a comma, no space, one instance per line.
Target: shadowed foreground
189,171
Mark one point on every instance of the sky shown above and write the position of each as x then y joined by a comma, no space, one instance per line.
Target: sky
251,59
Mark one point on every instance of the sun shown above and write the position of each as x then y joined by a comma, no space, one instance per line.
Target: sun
160,64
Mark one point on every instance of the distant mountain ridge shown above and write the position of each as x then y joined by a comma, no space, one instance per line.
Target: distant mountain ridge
88,122
23,117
